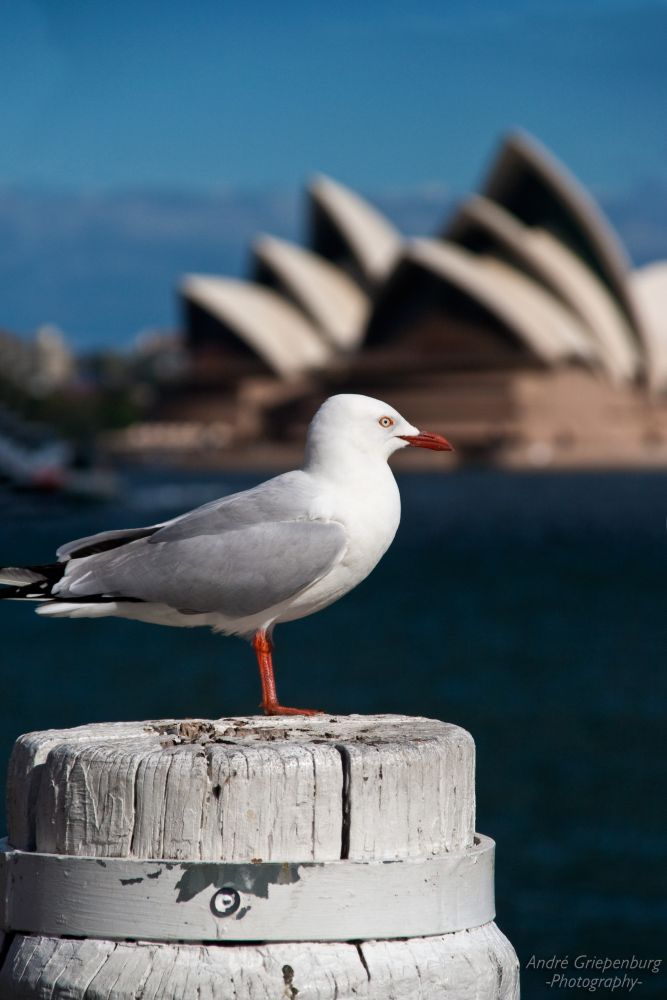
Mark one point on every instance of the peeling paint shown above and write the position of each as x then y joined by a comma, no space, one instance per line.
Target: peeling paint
254,880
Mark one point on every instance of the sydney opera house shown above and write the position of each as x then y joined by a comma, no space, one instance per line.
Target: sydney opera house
520,328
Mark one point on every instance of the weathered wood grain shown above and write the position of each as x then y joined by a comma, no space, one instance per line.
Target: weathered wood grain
479,963
24,776
467,965
362,787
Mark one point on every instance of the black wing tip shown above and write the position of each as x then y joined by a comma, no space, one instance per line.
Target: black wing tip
48,575
29,592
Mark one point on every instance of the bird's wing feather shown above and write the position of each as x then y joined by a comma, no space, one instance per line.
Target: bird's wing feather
237,572
104,540
286,496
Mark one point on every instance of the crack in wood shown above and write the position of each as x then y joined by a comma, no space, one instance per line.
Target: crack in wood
362,959
346,816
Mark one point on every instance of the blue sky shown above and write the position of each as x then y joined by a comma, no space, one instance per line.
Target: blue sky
141,140
382,94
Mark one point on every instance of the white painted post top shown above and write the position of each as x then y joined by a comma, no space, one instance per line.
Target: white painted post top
294,789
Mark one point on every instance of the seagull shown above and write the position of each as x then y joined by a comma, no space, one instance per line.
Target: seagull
246,562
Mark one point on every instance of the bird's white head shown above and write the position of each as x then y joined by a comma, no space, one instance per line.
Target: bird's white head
349,424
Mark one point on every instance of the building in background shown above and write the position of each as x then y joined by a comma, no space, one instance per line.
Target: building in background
40,365
520,329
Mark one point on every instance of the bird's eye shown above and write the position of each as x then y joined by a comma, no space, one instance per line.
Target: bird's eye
386,422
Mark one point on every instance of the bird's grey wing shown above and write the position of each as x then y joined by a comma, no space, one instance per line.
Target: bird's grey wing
238,572
287,497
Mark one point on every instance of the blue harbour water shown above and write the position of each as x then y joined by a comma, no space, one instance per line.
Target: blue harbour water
528,608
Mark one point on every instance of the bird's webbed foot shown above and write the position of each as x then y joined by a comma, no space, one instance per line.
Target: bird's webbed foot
273,708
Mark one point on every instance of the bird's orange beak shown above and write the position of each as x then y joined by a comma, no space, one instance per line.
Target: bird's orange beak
427,440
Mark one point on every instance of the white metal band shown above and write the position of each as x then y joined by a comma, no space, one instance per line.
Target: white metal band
126,898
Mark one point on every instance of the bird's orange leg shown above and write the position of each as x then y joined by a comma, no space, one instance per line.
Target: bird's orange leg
263,649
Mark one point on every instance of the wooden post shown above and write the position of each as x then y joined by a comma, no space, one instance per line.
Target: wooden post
231,852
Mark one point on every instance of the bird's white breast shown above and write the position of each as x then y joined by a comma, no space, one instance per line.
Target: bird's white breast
369,509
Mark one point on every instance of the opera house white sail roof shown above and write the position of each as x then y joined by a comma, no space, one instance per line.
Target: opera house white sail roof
331,299
528,181
273,328
348,231
484,227
649,285
528,274
535,318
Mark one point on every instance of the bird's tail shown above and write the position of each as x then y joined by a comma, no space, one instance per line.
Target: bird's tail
29,583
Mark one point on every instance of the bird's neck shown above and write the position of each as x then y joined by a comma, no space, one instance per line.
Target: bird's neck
326,456
348,469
